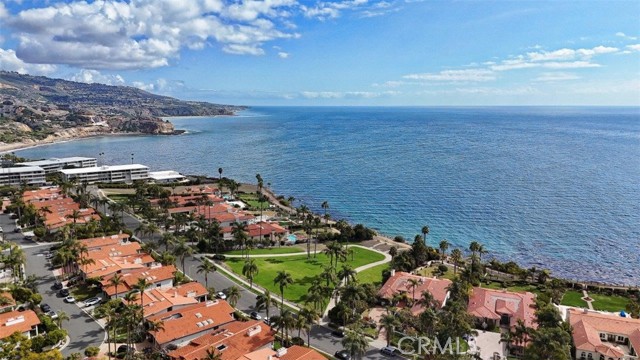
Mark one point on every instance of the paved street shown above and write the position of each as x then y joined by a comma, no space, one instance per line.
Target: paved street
83,331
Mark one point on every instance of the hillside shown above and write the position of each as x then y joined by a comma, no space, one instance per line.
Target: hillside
36,108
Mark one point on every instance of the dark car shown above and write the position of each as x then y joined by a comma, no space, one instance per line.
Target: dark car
338,333
123,350
342,355
64,292
45,308
255,316
57,285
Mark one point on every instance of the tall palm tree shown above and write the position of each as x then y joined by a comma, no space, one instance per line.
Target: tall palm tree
141,285
264,301
182,250
115,281
250,270
456,258
310,316
153,229
412,284
347,273
206,267
425,232
233,295
356,343
444,246
239,232
167,240
62,316
212,354
388,322
283,279
393,251
220,174
325,206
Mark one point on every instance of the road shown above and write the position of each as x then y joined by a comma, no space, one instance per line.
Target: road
321,337
82,329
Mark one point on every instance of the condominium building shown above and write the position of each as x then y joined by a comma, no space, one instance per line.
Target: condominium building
54,164
107,174
30,175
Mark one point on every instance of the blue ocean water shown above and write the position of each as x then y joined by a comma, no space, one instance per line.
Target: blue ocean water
552,187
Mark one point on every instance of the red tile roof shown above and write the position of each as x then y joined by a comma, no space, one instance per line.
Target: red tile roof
192,320
399,282
231,341
588,325
490,304
301,353
13,321
152,274
98,242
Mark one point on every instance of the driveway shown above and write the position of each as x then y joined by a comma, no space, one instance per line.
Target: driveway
488,343
82,329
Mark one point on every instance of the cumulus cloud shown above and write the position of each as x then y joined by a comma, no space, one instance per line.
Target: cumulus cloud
331,10
10,62
623,35
94,76
139,34
283,55
635,47
470,75
162,86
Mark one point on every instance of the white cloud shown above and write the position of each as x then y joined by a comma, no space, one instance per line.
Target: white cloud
470,75
345,94
10,62
331,10
162,86
283,55
635,47
3,11
623,35
139,34
556,76
94,76
570,54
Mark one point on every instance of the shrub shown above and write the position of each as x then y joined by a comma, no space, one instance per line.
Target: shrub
399,239
297,341
443,268
55,336
92,351
39,232
218,257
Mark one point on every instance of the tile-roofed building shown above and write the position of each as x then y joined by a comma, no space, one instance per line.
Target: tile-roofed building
157,276
99,242
603,336
297,352
185,324
121,249
162,300
60,212
33,196
399,282
7,303
25,322
501,307
116,264
231,341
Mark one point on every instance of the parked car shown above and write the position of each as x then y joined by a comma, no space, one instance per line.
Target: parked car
57,285
123,350
64,292
52,314
222,296
70,299
49,255
45,308
255,316
267,321
338,333
342,355
389,350
92,301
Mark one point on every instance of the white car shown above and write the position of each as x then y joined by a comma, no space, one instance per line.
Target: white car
52,314
92,301
222,296
70,299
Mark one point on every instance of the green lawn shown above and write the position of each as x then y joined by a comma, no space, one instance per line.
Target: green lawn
83,292
573,298
252,201
515,288
372,275
274,250
302,270
612,303
432,271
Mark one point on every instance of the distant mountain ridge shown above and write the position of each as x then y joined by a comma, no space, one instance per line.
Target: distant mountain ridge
38,107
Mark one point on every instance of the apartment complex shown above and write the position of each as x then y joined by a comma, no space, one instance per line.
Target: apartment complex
18,175
107,174
54,164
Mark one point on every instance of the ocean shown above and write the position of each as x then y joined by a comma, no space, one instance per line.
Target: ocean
543,186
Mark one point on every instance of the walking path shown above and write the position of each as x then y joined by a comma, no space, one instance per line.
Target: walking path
587,299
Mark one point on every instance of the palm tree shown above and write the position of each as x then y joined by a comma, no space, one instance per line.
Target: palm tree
456,258
347,273
250,270
141,285
444,246
153,229
212,354
220,174
264,301
62,316
425,232
356,343
167,239
116,280
182,250
389,322
427,300
206,267
325,206
239,232
413,284
283,279
233,295
393,251
310,316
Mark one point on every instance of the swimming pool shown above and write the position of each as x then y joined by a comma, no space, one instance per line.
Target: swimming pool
292,238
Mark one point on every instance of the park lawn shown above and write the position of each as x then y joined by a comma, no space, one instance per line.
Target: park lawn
372,275
253,202
612,303
302,270
432,271
514,288
267,251
121,198
573,298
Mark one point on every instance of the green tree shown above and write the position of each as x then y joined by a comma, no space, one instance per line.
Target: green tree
264,301
388,322
206,267
282,279
250,270
355,343
233,295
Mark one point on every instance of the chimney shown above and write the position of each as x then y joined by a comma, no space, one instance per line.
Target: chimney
393,272
175,294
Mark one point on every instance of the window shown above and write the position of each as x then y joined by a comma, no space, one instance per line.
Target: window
620,338
583,356
603,336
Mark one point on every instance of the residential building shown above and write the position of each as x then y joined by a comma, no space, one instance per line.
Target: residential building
16,176
502,308
166,177
162,300
54,165
25,322
255,231
102,241
157,276
599,336
231,342
107,174
42,194
185,324
402,282
117,264
7,303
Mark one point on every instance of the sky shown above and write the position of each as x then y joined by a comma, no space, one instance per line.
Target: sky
346,52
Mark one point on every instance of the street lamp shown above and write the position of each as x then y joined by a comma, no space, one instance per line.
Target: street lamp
131,158
101,158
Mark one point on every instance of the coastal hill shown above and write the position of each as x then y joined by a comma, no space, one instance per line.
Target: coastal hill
36,109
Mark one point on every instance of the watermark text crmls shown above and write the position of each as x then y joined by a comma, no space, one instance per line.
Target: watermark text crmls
421,345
